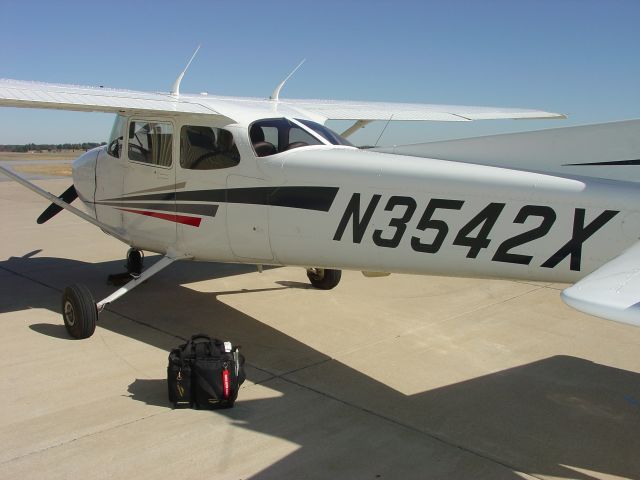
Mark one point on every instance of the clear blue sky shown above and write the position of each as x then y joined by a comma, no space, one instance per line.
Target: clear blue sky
577,57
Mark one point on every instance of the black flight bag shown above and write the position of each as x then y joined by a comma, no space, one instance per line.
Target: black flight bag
205,373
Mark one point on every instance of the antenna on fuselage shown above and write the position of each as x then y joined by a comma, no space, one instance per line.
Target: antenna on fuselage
175,89
275,96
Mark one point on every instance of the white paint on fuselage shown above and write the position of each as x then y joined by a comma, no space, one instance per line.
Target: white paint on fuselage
298,236
301,237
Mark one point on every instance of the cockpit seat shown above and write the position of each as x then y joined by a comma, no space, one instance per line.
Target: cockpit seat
264,149
260,146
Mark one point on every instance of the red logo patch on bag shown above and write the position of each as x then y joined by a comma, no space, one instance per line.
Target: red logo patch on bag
226,387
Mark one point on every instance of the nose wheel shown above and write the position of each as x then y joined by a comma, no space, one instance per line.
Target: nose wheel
135,261
324,278
79,311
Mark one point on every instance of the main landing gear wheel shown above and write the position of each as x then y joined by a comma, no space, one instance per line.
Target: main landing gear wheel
135,259
79,311
324,278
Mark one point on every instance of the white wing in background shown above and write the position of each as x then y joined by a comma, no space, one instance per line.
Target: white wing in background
606,150
612,291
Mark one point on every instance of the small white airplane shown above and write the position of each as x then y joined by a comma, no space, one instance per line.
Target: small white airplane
263,181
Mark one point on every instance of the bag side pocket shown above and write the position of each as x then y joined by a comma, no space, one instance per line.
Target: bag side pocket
179,383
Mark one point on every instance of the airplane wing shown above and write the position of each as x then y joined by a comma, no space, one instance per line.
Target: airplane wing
351,110
17,93
606,150
612,291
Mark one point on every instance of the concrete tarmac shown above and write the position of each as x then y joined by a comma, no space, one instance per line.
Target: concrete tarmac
399,377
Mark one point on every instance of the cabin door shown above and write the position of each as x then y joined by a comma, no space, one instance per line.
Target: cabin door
148,204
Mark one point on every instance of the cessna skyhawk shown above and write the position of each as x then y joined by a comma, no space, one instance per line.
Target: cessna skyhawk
265,182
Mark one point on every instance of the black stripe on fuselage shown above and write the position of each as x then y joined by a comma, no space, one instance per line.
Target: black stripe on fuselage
203,209
615,162
308,198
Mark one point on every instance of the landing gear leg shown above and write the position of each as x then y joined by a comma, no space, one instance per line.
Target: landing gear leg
135,261
324,278
80,311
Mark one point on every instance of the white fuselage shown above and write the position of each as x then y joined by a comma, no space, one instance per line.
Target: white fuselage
322,206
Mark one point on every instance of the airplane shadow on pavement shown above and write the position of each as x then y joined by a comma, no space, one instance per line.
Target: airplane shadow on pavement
556,417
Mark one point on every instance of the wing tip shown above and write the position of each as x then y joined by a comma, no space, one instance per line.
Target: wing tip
629,315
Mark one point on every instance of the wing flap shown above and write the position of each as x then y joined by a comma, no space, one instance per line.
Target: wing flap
612,291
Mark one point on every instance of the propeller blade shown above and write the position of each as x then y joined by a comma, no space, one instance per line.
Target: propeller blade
52,210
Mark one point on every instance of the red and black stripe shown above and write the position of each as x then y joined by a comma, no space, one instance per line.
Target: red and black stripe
172,206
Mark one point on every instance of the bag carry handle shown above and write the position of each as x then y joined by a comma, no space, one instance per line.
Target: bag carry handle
213,345
200,335
189,348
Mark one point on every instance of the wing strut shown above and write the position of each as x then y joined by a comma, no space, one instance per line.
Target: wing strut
355,127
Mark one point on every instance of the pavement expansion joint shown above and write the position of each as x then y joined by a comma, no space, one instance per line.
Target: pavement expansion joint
81,437
430,435
121,357
443,320
26,277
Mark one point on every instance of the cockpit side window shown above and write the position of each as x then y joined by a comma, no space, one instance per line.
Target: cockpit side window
150,142
264,139
206,148
275,135
114,145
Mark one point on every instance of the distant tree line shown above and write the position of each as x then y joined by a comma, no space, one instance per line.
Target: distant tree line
46,147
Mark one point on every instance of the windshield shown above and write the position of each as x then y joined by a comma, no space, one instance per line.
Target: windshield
114,146
329,135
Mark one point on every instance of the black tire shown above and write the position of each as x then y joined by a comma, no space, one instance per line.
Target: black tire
135,259
79,311
324,278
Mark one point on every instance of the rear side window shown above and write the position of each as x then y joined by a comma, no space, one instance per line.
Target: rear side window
150,142
206,148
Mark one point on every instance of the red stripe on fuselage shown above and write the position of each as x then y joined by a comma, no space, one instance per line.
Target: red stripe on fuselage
172,217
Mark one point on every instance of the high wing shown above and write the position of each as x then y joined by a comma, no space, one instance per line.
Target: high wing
16,93
611,291
352,110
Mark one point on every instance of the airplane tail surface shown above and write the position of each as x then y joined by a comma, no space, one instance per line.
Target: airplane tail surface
606,150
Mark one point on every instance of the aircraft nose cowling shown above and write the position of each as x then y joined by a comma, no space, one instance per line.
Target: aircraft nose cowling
84,175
